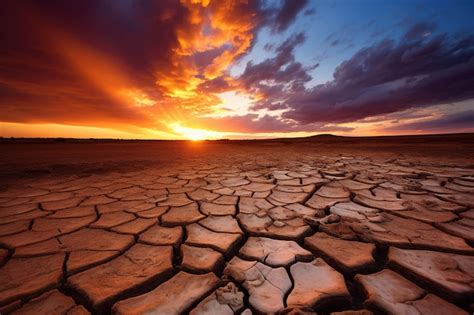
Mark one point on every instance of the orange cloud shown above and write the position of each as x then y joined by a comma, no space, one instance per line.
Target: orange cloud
210,26
160,65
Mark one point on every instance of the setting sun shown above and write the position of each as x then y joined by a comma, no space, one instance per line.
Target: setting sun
194,134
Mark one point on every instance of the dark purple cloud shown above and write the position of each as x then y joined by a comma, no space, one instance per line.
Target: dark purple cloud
275,79
419,30
458,121
252,123
287,14
388,77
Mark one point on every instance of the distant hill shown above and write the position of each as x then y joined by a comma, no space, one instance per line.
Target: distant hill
324,136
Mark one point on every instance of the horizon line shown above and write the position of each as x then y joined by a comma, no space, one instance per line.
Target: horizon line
243,139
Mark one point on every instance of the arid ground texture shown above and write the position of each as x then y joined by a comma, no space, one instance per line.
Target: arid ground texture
320,225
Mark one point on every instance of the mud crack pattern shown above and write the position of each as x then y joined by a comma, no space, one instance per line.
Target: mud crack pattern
342,235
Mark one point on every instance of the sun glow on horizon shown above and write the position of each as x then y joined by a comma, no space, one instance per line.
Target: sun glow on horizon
195,134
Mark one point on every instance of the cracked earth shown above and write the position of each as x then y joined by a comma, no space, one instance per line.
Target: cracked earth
315,234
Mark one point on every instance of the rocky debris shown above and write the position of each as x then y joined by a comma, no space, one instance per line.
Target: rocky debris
52,302
202,237
349,256
182,215
158,235
225,300
450,274
175,296
389,292
139,265
274,253
22,277
316,282
266,286
200,258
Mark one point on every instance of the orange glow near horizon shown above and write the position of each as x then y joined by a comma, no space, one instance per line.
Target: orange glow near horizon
195,134
178,80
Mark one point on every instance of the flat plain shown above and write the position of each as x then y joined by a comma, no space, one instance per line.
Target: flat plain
322,225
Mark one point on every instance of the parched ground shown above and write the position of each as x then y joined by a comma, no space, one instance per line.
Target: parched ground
302,227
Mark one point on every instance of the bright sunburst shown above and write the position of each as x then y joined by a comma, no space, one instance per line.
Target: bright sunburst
194,134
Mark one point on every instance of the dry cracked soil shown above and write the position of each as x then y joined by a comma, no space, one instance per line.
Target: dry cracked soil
260,228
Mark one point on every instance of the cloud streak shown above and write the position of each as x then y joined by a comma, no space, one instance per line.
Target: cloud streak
463,121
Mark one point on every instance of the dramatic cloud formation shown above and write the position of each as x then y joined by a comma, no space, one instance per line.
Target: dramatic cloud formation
389,77
461,121
162,69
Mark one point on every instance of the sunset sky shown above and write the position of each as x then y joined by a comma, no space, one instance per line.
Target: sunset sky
208,69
